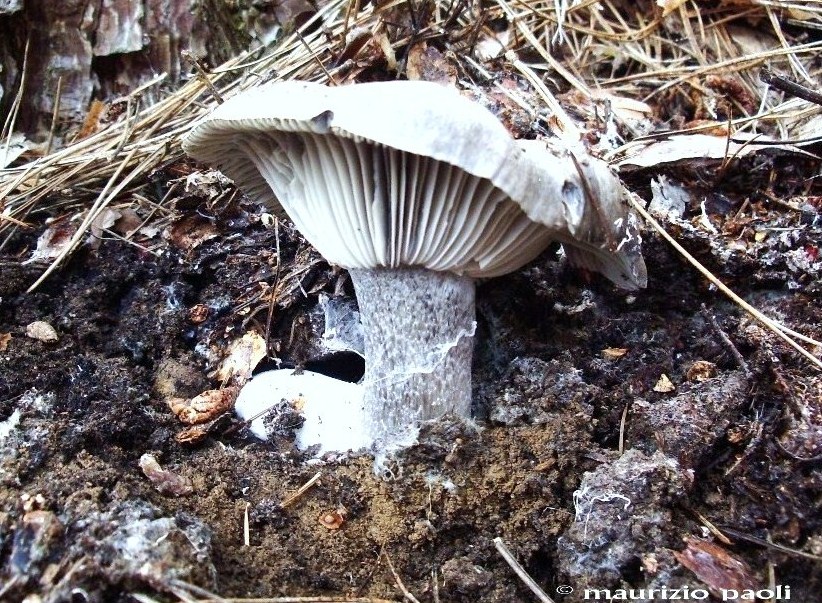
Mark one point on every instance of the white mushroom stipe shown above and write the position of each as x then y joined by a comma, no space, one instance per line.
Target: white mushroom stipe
418,326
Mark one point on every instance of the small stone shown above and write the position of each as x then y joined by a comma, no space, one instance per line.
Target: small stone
41,331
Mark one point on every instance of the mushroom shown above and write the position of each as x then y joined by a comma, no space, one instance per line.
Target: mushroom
417,191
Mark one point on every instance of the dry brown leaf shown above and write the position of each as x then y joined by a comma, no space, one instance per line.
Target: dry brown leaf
701,370
190,232
5,338
244,355
614,353
92,121
205,407
102,221
427,63
715,566
54,240
198,313
664,385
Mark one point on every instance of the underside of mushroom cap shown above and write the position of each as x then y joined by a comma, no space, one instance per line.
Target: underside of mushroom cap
405,173
381,175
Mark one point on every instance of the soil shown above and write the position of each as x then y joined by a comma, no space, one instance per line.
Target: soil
592,471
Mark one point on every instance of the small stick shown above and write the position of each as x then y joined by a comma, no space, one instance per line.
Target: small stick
302,490
202,75
622,430
713,529
726,340
397,579
520,571
778,330
770,545
55,114
780,82
246,527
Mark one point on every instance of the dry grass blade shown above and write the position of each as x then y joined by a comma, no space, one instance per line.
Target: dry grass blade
301,490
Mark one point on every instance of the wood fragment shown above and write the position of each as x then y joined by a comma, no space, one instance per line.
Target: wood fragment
301,490
787,85
740,361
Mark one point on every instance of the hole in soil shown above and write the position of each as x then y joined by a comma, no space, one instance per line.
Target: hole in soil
346,366
632,571
541,567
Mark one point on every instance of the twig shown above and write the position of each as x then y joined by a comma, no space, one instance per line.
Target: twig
520,571
756,314
202,75
726,340
622,429
713,529
405,593
770,545
302,490
780,82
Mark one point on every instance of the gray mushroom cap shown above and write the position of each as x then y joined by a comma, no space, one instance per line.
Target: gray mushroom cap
411,173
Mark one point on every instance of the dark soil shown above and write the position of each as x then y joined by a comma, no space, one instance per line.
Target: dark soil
559,358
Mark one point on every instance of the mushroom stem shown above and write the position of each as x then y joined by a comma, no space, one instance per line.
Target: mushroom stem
418,328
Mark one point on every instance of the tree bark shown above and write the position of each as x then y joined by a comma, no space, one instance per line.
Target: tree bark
106,48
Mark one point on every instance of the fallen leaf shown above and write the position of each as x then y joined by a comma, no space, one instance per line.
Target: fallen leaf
204,407
103,221
715,566
614,353
664,385
244,355
701,370
5,338
429,64
12,148
54,240
700,146
190,232
91,123
491,45
198,313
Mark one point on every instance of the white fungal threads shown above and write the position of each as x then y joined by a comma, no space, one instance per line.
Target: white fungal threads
418,327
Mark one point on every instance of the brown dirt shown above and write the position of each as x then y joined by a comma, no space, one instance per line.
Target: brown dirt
541,468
